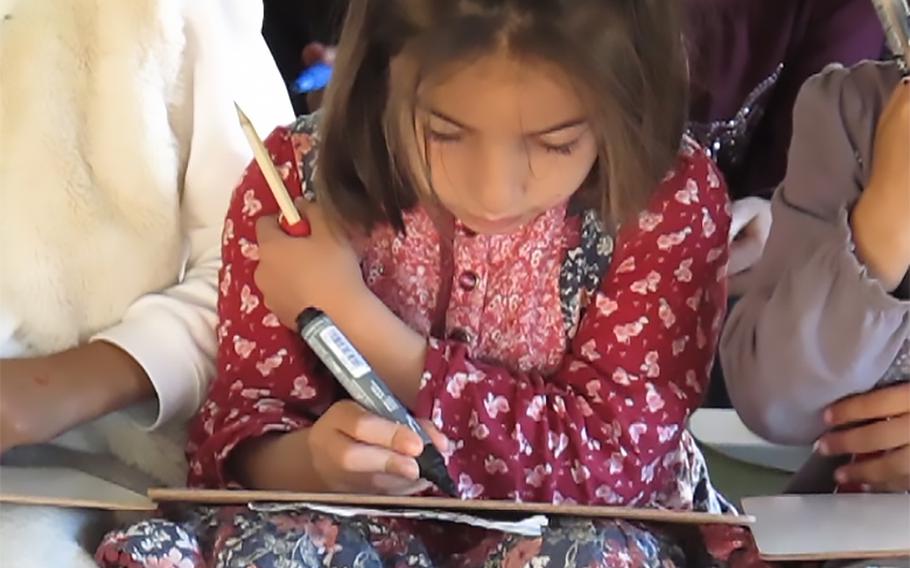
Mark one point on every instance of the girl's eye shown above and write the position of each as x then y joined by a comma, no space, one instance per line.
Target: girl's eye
561,149
443,137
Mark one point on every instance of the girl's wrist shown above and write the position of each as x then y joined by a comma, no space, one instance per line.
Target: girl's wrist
263,463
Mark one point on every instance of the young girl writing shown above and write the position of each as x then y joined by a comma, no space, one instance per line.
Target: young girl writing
471,166
830,317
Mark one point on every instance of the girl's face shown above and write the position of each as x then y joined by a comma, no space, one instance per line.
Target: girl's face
507,139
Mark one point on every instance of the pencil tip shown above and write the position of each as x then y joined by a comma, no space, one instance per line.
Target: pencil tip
240,112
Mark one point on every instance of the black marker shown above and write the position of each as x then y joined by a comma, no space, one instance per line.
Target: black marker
365,387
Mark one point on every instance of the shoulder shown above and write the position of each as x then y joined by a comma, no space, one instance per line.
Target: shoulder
845,98
834,123
292,149
855,91
691,195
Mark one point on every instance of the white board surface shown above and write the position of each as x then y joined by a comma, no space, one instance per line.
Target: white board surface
830,527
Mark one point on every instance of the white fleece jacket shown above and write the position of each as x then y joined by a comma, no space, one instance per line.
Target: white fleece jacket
119,149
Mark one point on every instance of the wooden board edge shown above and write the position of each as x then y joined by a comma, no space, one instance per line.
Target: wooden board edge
75,503
859,555
219,497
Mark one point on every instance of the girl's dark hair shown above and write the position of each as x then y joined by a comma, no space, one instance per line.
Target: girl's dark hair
624,57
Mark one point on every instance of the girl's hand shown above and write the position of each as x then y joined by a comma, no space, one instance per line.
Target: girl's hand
355,451
877,422
748,234
320,271
879,219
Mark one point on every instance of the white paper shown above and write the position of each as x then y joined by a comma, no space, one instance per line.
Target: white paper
529,526
842,526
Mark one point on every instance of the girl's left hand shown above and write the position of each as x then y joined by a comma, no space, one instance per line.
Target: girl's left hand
319,271
877,422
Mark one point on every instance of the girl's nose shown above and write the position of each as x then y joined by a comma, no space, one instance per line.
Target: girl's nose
500,180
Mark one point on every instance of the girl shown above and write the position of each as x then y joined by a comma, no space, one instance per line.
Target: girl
511,228
830,317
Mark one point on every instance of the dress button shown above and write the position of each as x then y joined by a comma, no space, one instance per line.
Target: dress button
467,281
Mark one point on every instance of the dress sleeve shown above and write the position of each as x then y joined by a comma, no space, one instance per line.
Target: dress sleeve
816,326
267,378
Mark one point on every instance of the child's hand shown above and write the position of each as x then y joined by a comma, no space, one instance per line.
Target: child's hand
320,271
876,422
356,451
748,234
879,219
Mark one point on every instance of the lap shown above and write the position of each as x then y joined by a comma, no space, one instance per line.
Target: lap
240,537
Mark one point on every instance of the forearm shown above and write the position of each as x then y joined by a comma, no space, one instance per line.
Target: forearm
882,236
85,382
280,462
395,351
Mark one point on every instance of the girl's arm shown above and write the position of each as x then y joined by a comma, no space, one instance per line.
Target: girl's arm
816,326
266,380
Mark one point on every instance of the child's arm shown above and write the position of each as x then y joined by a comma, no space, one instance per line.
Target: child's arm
817,326
265,383
606,426
271,420
179,359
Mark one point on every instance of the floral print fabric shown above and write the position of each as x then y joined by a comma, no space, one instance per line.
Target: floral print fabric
234,537
557,382
564,362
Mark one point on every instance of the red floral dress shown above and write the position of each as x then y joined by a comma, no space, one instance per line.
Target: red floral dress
564,361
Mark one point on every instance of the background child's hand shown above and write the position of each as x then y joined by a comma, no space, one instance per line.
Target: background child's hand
875,422
354,450
320,271
879,220
749,232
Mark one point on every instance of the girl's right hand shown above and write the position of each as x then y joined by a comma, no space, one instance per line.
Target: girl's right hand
355,451
879,220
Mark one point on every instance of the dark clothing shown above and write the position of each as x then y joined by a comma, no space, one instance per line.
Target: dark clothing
290,25
749,59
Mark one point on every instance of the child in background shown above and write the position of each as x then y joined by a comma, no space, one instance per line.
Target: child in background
829,318
512,229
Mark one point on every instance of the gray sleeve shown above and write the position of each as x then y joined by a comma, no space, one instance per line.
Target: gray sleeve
815,326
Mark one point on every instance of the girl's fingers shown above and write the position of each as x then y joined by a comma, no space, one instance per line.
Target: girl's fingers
897,485
311,212
882,403
363,426
878,436
439,439
394,485
353,457
877,471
